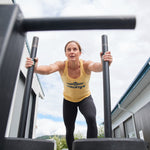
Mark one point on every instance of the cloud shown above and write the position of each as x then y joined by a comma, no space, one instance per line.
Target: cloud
52,103
50,127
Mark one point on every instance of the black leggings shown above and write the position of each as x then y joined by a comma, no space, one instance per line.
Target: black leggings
87,108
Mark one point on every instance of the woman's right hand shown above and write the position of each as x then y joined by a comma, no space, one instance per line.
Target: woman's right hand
30,62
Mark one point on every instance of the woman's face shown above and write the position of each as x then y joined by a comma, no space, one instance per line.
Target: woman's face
72,51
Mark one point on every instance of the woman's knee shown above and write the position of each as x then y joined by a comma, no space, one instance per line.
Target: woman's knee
91,121
70,130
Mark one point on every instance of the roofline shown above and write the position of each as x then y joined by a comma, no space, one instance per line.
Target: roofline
138,78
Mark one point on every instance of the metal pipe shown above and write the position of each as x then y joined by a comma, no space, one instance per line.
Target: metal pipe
106,91
27,91
78,23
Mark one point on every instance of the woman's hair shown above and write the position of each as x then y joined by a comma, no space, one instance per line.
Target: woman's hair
73,42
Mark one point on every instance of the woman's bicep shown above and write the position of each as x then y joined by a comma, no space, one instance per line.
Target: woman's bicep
95,66
54,67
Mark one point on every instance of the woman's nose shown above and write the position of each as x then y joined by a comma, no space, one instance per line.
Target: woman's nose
71,51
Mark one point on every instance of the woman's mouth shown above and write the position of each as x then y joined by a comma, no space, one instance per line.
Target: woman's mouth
72,56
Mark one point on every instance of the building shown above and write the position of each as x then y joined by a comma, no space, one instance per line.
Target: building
37,92
16,105
131,115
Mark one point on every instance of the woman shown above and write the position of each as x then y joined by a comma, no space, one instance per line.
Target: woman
75,74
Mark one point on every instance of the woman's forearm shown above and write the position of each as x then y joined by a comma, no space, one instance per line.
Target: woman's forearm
42,69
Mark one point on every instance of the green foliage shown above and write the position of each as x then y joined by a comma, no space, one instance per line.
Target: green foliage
101,131
61,140
78,136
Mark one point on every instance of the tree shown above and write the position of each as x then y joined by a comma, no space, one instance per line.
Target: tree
78,136
101,131
60,142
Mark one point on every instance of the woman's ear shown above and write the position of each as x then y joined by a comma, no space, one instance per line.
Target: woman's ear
80,53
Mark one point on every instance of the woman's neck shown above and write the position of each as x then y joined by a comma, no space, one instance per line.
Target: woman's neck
73,64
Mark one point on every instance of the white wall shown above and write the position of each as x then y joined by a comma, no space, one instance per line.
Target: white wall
142,99
5,1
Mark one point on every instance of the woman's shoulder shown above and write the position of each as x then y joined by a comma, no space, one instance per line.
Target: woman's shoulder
86,64
61,64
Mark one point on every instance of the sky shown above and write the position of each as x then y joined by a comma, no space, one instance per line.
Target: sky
129,48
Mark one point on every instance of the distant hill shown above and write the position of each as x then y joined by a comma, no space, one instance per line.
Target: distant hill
45,137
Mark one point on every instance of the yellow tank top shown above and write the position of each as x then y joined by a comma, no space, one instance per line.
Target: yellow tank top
75,90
